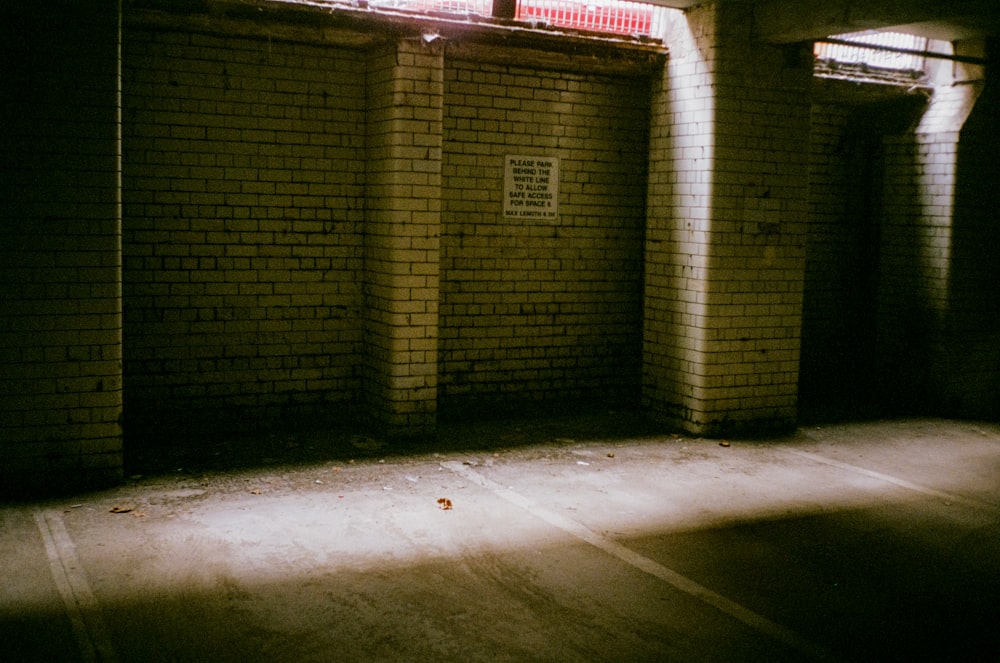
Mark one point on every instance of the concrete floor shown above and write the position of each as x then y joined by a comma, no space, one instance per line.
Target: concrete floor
589,538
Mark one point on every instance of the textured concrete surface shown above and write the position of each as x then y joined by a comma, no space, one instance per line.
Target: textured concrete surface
590,538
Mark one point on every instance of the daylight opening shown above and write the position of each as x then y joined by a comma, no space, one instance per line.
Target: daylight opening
457,7
612,16
872,56
615,16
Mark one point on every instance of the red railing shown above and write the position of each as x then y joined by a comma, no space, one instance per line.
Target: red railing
614,16
611,16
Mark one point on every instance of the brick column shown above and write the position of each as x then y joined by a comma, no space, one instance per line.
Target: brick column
681,154
938,347
402,235
60,275
726,225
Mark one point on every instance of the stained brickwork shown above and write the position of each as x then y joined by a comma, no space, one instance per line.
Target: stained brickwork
60,316
534,309
244,197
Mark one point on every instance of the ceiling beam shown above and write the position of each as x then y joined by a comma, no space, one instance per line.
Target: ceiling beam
786,21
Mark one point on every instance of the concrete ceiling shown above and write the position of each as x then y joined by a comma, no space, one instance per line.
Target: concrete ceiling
785,21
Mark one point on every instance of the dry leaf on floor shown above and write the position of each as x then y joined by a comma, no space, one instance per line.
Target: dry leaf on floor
121,509
444,503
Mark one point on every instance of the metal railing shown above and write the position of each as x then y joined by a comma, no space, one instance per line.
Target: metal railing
611,16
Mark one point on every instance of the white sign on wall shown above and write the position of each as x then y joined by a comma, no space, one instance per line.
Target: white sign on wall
531,187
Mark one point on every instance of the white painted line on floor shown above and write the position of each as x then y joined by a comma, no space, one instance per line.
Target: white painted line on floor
646,565
82,608
896,481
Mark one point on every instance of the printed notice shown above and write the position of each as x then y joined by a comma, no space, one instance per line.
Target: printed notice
531,187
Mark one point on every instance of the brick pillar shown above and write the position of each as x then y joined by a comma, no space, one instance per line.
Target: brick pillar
937,339
677,220
726,225
60,276
402,235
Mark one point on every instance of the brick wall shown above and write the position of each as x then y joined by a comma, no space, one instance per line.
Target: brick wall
913,272
938,348
850,123
681,158
760,213
292,206
536,309
969,366
313,224
402,235
837,215
726,227
60,320
901,312
244,197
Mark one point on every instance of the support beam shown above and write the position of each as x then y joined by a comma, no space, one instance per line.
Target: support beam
787,21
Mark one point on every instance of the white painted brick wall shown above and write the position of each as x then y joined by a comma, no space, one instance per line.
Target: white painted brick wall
725,229
244,194
541,310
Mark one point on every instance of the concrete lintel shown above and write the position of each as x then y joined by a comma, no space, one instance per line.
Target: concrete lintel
362,26
611,62
786,21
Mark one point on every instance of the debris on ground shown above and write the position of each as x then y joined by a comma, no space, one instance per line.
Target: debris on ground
366,443
444,503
